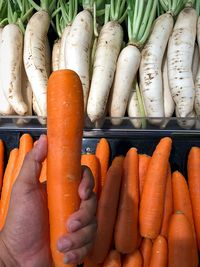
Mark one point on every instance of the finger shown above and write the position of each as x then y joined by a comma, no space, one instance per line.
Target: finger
87,183
30,171
77,239
84,215
76,256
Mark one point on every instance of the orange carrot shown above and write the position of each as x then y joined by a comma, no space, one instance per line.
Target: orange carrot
91,161
126,227
181,199
25,145
64,131
113,259
43,173
143,165
1,163
107,211
146,250
133,259
153,195
103,154
7,183
168,207
159,255
193,167
181,242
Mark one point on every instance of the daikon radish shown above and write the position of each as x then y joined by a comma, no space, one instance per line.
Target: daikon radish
195,61
56,55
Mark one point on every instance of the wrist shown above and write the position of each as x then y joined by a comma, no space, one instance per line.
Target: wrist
6,259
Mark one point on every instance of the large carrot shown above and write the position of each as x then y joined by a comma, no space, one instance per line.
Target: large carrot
25,145
91,161
107,210
103,154
133,259
43,173
146,250
64,131
168,208
181,242
7,183
113,259
159,255
193,168
181,199
143,165
1,163
126,227
153,195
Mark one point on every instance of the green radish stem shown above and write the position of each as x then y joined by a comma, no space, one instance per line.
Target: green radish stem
141,106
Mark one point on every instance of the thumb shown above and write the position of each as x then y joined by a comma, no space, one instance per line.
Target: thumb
28,177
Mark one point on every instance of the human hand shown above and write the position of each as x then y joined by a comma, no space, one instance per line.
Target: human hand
24,240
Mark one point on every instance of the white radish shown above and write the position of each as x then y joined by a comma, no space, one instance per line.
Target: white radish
64,40
11,57
169,104
48,57
195,61
179,56
134,110
127,66
56,55
107,52
197,81
5,107
150,68
35,59
78,49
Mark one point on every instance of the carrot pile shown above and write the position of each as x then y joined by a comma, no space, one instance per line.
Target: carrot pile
148,214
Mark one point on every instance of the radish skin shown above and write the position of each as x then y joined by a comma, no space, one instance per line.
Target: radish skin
179,56
127,66
197,81
35,57
64,40
107,52
134,110
195,61
11,57
48,57
150,67
169,104
78,49
56,55
5,107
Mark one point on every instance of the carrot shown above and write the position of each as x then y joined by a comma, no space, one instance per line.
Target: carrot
64,132
181,242
113,259
181,199
91,161
168,207
146,250
193,168
153,195
7,183
25,145
1,163
133,259
107,211
143,165
43,173
126,227
159,255
103,154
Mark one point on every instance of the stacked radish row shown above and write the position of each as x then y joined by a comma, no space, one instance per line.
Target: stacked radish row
155,75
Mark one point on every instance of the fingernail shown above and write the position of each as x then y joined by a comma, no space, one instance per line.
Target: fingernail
70,257
64,244
74,226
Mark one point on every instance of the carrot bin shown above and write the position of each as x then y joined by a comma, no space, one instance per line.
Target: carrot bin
64,132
